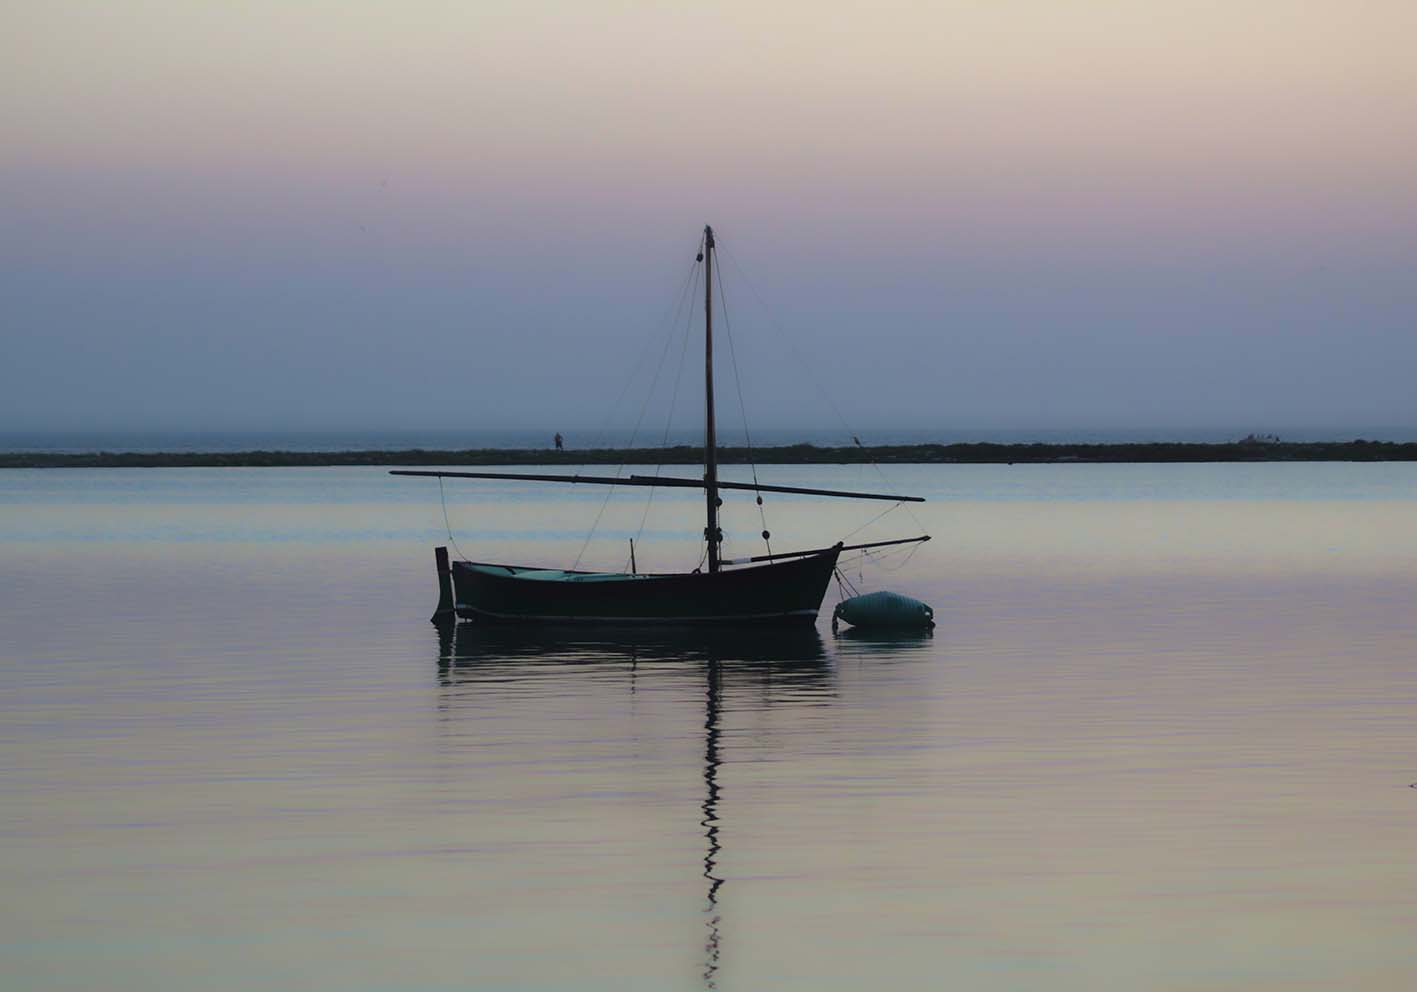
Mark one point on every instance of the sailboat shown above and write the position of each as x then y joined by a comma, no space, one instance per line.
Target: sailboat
776,589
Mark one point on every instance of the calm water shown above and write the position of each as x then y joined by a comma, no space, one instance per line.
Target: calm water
1162,738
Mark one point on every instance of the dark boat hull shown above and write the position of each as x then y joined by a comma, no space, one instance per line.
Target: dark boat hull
785,592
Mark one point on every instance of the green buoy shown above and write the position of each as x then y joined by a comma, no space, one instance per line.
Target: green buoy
884,609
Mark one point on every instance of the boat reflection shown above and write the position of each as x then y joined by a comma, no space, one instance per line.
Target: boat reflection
880,641
780,666
786,662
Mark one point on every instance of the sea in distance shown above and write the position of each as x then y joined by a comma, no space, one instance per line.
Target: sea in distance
1163,737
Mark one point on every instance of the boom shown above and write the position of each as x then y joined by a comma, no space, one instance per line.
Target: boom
650,480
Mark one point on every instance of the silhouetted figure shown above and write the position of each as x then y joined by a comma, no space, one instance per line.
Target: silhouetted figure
560,442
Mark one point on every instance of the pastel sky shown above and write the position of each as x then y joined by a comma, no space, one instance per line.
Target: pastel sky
1015,213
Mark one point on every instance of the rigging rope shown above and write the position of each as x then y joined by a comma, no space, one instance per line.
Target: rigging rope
843,583
811,376
743,411
878,558
903,562
673,403
868,523
687,290
685,293
442,498
671,315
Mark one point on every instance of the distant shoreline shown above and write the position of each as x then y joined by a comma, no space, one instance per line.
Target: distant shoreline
795,454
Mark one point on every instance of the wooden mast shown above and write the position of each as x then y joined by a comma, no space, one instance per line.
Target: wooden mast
712,534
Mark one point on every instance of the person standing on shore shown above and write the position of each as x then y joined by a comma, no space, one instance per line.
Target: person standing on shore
560,442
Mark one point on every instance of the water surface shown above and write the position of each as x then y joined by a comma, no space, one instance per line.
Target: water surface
1162,738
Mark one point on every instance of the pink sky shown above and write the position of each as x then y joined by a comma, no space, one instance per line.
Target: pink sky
1223,152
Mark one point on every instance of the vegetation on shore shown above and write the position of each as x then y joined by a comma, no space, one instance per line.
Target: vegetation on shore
1251,449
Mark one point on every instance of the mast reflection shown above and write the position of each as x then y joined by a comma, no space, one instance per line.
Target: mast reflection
713,702
789,666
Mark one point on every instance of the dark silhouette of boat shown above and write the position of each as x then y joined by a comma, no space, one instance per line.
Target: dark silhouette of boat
775,592
785,588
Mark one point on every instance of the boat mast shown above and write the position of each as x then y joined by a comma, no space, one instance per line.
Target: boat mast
711,532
